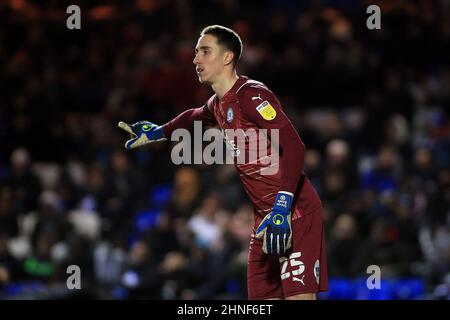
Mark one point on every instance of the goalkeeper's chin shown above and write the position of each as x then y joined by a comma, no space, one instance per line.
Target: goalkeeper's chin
203,80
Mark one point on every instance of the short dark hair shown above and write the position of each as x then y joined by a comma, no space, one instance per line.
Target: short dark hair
226,37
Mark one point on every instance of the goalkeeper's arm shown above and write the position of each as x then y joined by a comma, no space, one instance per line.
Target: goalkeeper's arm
186,120
144,132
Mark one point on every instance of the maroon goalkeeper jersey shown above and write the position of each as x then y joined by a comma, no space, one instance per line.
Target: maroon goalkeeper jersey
249,105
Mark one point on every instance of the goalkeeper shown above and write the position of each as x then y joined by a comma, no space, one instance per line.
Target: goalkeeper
287,253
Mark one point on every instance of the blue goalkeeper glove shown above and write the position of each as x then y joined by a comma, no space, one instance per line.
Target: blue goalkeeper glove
275,229
142,133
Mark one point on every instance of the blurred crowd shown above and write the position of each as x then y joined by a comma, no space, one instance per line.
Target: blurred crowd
370,105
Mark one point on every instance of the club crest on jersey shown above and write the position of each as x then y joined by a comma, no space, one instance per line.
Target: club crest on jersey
230,115
266,110
317,271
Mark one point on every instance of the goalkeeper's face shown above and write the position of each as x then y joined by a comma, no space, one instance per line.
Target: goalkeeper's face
211,59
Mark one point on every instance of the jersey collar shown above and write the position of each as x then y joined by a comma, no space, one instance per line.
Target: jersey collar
235,88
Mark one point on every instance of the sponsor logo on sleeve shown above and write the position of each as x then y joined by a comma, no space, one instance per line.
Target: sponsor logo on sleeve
266,110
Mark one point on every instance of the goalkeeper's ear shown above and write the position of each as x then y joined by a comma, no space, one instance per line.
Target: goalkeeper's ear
228,57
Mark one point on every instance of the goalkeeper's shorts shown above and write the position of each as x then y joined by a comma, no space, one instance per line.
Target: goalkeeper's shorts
303,269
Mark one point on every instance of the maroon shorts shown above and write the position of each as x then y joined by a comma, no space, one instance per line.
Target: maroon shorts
303,269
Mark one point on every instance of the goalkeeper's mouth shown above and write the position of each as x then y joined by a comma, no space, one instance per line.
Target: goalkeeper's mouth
199,70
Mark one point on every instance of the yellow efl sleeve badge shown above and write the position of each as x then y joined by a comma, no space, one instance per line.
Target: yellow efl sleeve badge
266,110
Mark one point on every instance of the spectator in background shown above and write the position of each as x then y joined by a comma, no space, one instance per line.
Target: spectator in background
345,242
140,276
24,184
186,193
11,268
208,223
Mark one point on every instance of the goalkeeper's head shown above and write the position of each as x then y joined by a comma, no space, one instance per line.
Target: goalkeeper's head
217,52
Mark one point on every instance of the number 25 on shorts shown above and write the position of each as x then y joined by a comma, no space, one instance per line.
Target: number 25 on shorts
294,262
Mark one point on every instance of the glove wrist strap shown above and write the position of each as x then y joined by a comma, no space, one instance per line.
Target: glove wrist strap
284,200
